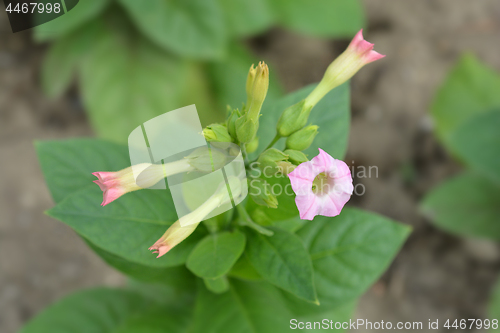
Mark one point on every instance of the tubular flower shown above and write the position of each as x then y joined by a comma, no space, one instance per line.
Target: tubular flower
176,233
322,186
115,184
358,53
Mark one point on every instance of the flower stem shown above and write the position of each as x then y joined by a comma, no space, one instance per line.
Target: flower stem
247,221
276,138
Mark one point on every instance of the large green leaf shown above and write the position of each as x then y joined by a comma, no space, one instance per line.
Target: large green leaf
331,114
179,278
477,143
84,12
248,307
467,205
247,17
126,80
229,76
326,18
125,227
282,260
104,310
349,252
214,256
470,88
192,28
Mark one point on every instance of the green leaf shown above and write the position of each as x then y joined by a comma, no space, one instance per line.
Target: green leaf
62,59
179,278
84,12
243,269
331,114
68,165
248,307
105,310
466,205
219,285
282,260
494,306
126,227
190,28
325,18
286,210
229,76
214,256
349,252
470,88
247,17
477,143
126,80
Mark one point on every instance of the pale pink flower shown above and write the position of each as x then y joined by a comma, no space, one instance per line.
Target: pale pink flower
322,186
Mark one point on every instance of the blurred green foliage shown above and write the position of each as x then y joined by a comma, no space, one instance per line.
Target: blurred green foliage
135,60
467,116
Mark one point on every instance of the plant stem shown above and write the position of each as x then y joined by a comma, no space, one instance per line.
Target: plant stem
247,221
276,138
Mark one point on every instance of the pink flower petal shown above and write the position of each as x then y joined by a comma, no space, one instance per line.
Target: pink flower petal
308,206
111,194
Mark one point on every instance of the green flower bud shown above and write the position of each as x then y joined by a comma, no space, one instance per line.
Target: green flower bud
269,159
284,168
295,156
303,138
261,194
260,85
246,129
217,133
231,122
252,145
206,159
250,80
293,119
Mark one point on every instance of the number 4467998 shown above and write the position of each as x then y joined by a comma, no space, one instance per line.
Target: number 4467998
472,323
31,7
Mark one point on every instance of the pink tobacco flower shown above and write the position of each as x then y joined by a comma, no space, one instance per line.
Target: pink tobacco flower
115,184
322,186
358,53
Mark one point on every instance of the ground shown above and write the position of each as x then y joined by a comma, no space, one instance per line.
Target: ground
436,276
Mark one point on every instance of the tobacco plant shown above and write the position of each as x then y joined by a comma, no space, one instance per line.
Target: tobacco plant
289,252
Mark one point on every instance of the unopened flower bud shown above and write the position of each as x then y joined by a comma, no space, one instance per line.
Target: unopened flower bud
293,119
284,168
303,138
136,177
358,53
252,145
246,129
217,133
259,91
231,123
295,156
206,159
269,159
250,80
176,233
260,192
